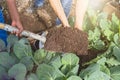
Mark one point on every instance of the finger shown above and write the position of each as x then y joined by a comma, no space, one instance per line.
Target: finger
13,24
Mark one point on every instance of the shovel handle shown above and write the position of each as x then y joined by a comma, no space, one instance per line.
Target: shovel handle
26,33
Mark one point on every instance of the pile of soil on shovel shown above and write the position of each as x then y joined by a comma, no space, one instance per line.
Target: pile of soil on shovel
66,39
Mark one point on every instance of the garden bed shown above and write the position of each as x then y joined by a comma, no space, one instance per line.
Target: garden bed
102,62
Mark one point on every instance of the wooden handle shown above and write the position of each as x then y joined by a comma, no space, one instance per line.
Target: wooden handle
9,28
2,26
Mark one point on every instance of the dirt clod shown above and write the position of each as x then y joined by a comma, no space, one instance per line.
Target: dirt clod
66,39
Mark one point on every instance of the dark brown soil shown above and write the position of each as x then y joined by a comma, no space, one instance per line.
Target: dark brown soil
66,39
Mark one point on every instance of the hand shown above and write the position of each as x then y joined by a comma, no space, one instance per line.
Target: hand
19,26
78,27
66,25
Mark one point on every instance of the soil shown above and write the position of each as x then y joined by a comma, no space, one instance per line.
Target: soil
64,39
58,39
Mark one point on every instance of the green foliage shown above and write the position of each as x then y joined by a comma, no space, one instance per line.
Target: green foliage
19,62
6,60
3,72
32,77
18,72
115,72
47,72
22,48
74,78
2,45
105,33
28,62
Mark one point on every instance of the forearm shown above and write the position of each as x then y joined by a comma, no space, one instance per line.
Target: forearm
13,10
57,7
81,7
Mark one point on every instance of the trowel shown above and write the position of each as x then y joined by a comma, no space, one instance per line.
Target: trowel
26,33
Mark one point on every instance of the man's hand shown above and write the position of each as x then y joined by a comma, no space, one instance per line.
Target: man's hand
14,16
19,26
81,7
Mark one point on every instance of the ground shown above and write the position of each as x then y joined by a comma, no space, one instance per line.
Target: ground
41,19
64,39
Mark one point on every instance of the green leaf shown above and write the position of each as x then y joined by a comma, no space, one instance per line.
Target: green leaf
40,55
3,72
116,52
56,62
97,75
115,23
6,60
18,72
102,61
112,62
99,45
69,61
74,78
94,35
32,77
89,70
50,55
102,15
115,72
73,71
22,48
117,39
105,69
11,40
47,72
109,34
104,24
28,62
2,45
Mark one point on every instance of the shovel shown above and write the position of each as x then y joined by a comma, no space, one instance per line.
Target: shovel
26,33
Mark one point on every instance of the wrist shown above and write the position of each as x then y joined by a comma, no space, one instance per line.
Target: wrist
78,26
66,25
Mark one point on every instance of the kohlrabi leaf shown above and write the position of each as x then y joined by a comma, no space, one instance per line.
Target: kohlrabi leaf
117,39
40,55
115,23
116,52
11,40
105,69
22,48
98,44
115,73
6,60
74,71
74,78
47,72
2,45
32,77
112,62
56,62
18,72
89,70
3,72
28,62
69,61
97,75
104,24
109,34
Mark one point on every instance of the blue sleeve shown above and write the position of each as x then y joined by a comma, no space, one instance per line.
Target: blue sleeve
1,16
3,33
